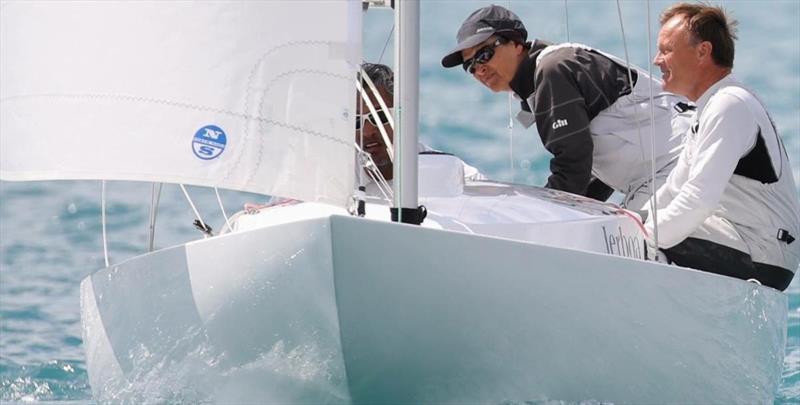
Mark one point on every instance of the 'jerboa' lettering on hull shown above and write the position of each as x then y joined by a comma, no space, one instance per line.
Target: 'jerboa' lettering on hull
621,244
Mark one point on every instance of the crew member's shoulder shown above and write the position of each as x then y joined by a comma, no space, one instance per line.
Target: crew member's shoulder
731,98
729,90
555,58
734,92
729,103
554,61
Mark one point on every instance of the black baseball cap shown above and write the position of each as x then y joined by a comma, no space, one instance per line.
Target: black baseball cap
482,24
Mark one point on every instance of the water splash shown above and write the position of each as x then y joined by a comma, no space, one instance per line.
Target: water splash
55,380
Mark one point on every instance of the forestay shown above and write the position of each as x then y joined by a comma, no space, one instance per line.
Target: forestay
253,96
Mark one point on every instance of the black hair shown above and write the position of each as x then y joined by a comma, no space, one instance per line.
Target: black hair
381,75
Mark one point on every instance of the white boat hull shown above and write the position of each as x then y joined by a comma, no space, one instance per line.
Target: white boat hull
341,309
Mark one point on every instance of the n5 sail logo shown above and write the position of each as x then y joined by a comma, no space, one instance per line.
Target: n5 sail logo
209,142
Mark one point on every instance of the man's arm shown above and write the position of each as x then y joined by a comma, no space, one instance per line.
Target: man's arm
563,124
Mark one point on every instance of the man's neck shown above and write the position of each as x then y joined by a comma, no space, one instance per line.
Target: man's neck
708,78
522,82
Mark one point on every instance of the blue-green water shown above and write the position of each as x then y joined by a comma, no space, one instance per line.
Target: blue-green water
50,232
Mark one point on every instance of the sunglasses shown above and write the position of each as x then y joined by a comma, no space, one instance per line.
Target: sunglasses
382,119
483,56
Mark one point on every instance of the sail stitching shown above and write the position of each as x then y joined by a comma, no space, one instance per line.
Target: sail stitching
266,90
181,105
250,85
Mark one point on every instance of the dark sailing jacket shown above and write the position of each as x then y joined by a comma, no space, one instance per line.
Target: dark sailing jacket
582,103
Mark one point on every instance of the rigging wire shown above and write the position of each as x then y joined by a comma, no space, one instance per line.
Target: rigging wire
511,128
630,76
511,135
566,18
199,223
366,162
385,45
630,71
222,208
103,219
652,111
364,159
653,201
374,112
360,194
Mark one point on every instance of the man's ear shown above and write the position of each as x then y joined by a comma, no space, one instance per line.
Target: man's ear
519,48
704,49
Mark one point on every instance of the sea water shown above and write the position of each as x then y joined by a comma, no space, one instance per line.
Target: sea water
50,232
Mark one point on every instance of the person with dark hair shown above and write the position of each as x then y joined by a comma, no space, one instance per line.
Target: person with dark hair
730,206
591,110
368,135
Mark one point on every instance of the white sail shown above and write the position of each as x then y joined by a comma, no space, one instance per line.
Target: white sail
255,96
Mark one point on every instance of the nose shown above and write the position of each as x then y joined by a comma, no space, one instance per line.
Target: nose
367,131
480,70
658,60
373,134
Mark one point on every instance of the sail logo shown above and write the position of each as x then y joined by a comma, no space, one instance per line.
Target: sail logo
209,142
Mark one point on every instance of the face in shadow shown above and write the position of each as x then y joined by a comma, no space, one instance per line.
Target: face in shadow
368,134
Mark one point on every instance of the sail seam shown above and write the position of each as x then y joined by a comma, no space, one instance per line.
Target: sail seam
251,78
247,117
264,93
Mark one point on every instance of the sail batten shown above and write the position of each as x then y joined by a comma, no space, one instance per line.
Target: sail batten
235,95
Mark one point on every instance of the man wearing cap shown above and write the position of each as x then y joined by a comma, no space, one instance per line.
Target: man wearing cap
592,112
730,206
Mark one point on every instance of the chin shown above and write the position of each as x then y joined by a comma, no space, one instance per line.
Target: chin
382,163
494,87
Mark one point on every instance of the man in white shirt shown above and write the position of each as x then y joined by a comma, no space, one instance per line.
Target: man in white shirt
730,206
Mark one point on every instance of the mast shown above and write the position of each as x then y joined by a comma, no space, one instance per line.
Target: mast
406,103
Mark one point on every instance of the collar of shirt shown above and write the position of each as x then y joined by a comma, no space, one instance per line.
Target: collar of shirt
522,83
703,100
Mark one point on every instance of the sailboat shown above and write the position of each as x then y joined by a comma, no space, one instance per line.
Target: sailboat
503,293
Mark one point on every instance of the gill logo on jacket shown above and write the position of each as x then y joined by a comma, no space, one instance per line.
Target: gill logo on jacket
560,123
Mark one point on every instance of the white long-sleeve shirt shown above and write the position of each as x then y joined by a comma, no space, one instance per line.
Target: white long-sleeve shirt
705,197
